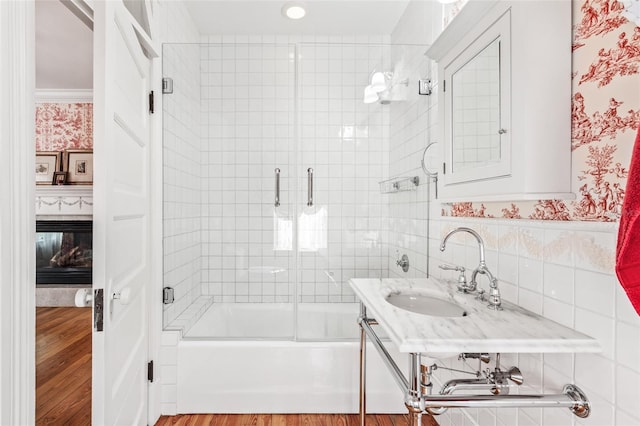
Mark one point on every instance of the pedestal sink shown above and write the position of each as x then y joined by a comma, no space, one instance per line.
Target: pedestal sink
425,304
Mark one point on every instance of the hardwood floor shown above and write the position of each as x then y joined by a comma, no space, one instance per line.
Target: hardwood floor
63,366
63,383
288,420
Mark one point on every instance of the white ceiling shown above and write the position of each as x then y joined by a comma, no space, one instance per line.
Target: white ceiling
64,44
64,48
324,17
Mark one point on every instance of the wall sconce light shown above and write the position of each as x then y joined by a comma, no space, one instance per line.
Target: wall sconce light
370,95
380,85
379,81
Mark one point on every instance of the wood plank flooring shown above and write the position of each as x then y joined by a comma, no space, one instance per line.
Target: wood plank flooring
288,420
63,366
63,383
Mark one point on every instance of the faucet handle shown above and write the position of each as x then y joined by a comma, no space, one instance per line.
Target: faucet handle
495,300
462,279
403,262
447,267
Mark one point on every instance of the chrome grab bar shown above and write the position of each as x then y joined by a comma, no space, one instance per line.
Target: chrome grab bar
309,186
277,201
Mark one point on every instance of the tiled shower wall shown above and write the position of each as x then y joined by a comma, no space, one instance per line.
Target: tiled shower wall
250,99
182,180
561,270
413,126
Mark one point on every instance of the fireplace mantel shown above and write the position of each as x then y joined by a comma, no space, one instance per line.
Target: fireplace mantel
64,200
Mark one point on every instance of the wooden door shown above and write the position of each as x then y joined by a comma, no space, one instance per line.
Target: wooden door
122,84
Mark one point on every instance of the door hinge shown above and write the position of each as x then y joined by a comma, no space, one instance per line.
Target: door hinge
98,309
444,86
151,107
444,168
150,371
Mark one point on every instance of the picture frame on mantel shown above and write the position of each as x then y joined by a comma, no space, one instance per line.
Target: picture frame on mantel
60,178
47,163
78,164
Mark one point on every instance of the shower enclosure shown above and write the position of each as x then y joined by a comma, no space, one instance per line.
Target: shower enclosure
272,202
271,197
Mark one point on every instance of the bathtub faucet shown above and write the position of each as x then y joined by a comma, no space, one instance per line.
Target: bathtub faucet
494,293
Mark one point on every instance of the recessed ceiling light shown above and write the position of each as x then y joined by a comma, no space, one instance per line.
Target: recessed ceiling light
293,10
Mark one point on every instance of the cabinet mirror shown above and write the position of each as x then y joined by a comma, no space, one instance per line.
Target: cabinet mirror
475,111
477,103
504,102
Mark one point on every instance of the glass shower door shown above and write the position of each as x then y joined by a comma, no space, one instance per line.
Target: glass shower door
271,199
250,105
341,150
228,178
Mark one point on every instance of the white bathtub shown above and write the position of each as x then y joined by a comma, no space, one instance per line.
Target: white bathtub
264,374
276,321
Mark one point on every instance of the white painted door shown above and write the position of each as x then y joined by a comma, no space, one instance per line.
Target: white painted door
121,217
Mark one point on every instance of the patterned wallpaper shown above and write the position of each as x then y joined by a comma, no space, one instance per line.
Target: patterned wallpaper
605,116
61,126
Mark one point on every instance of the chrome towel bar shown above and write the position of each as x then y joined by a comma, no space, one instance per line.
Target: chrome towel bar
277,200
309,187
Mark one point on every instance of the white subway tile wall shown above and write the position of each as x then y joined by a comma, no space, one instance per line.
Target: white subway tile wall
412,126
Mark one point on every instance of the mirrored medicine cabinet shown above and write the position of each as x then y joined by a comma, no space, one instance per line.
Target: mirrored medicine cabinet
504,96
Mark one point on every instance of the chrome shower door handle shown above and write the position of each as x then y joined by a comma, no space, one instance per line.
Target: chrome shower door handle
277,200
309,186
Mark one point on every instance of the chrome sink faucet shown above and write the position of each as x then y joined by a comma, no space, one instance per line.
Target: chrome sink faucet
494,293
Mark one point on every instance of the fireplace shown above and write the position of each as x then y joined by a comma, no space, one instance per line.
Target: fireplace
64,251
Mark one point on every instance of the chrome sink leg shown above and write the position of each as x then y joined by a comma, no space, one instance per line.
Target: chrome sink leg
415,417
418,397
413,399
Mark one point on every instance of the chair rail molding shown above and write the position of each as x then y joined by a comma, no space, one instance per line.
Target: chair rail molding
17,221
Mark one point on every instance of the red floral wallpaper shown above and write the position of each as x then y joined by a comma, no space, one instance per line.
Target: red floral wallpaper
605,116
61,126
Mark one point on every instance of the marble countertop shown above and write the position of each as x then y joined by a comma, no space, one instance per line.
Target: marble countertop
512,330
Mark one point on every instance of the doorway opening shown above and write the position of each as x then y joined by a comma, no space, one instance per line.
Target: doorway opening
63,122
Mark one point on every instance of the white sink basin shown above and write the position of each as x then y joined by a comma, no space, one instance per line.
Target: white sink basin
426,305
439,328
